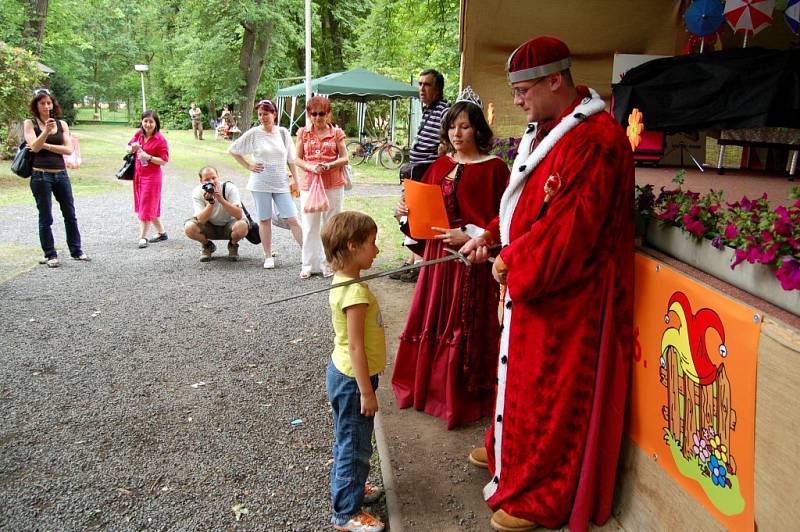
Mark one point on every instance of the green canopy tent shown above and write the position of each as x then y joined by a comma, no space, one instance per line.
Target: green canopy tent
358,84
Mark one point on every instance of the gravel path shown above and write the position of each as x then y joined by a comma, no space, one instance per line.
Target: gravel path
147,390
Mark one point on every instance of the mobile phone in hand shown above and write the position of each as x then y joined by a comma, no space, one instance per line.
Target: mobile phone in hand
52,113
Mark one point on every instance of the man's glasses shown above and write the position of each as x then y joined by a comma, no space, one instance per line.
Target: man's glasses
39,92
320,113
519,92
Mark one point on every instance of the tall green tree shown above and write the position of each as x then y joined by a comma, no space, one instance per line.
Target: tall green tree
18,75
400,38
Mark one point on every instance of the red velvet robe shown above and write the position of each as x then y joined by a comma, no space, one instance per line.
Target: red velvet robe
446,362
567,343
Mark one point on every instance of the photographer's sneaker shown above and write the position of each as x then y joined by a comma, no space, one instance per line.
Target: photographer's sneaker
208,249
269,263
361,522
233,252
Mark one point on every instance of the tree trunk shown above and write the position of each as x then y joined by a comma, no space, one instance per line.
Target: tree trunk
251,62
34,29
330,42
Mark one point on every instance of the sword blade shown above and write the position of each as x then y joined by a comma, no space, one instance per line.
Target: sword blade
448,258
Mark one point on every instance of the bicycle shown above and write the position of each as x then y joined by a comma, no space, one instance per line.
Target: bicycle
390,156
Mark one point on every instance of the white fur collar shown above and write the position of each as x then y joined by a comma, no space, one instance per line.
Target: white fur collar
525,162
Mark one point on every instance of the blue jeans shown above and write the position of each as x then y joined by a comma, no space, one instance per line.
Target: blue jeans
43,184
352,447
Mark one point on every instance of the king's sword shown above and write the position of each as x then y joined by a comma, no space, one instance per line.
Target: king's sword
452,255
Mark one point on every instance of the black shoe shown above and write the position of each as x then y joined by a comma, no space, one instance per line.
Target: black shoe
160,237
410,276
398,276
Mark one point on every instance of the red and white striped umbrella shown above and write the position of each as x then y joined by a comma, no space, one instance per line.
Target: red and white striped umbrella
749,16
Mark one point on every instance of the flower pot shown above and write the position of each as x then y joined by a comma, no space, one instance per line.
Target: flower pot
757,279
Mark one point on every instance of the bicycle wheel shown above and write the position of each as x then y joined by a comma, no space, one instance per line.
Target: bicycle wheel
356,152
391,156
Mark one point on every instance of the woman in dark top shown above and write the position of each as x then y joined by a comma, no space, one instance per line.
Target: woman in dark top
48,139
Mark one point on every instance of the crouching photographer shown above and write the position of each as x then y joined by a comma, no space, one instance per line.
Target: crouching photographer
218,215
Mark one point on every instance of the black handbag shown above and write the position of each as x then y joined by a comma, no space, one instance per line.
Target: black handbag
125,171
22,165
253,235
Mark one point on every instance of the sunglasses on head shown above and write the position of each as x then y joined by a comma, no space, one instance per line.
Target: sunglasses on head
265,102
320,113
39,92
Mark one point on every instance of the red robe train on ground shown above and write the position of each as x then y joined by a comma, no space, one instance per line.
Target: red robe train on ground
566,347
447,358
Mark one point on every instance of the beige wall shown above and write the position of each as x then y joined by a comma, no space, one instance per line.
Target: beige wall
593,29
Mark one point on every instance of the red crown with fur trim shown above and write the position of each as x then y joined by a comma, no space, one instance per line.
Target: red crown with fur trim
537,58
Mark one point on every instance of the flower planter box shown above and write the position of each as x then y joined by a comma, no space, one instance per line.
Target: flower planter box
756,279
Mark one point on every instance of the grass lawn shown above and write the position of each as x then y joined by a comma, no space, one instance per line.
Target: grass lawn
102,148
88,114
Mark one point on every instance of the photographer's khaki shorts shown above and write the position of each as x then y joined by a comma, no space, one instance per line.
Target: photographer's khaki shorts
215,232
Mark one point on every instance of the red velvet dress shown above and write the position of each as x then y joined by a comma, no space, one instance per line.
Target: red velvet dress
567,345
446,364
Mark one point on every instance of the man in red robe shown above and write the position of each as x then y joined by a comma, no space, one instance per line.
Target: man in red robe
566,230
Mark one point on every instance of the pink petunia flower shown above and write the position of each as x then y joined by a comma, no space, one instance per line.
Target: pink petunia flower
694,226
789,274
731,231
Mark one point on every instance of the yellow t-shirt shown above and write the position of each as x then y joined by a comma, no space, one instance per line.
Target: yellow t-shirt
374,337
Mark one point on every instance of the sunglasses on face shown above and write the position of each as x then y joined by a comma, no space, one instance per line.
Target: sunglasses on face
39,92
321,113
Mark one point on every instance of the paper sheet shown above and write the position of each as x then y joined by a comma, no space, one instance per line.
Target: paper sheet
425,209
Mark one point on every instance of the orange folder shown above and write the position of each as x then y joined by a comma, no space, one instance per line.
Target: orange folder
425,209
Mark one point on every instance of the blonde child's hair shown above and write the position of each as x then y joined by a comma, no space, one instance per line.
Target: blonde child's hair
344,228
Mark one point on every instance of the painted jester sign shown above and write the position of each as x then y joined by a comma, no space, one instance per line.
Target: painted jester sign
693,389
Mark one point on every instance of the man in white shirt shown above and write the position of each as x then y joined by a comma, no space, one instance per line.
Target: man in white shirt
217,215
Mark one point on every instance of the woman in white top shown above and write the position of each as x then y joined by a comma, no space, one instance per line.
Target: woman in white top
270,150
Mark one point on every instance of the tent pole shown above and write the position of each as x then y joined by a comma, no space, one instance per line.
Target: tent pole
308,54
392,108
291,117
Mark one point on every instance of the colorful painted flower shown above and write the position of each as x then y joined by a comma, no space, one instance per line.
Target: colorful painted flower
700,448
717,472
719,449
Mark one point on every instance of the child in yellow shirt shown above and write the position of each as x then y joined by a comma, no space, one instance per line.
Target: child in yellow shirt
359,355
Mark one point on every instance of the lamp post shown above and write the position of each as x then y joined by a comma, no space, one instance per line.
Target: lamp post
141,69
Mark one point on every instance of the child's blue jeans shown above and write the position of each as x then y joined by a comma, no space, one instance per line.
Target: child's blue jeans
352,447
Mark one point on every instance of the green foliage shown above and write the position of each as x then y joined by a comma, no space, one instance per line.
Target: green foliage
193,47
12,17
400,38
18,77
65,95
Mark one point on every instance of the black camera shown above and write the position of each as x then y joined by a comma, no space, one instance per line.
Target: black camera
208,187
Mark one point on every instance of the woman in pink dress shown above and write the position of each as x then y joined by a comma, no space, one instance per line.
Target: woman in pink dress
152,152
446,364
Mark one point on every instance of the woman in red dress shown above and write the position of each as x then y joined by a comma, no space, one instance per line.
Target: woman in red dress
152,152
447,358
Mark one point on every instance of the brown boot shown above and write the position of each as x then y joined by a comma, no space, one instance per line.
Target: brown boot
479,458
233,251
508,523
